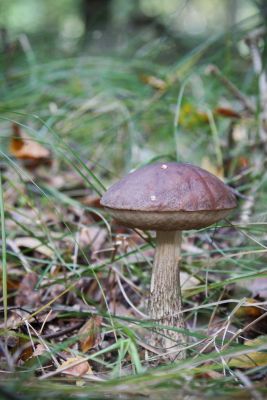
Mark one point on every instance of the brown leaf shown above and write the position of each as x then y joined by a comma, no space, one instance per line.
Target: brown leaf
78,370
227,112
26,353
249,311
90,334
39,350
92,201
27,295
209,375
24,147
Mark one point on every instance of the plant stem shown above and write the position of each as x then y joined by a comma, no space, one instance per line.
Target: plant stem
165,294
4,261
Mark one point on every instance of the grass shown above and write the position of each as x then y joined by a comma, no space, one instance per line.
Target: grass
99,118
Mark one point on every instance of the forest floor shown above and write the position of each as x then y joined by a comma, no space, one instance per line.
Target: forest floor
75,284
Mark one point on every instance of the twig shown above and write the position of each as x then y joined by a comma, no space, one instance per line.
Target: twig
58,333
238,333
252,40
62,332
214,70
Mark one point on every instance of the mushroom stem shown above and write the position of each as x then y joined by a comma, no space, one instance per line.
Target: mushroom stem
165,294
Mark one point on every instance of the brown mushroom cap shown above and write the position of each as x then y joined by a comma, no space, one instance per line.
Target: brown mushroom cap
169,196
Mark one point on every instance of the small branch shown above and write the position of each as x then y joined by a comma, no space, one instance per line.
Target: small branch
62,332
252,41
59,333
214,70
242,330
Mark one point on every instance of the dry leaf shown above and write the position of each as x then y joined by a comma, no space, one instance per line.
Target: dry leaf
119,309
249,311
257,287
253,359
39,350
26,353
34,244
227,112
92,201
24,147
78,370
26,294
208,375
155,82
90,334
92,236
188,281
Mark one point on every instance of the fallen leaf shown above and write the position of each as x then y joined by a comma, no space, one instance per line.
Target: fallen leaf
227,112
154,82
34,244
90,334
188,281
208,374
253,359
27,352
78,366
26,294
257,287
92,201
39,350
23,147
249,311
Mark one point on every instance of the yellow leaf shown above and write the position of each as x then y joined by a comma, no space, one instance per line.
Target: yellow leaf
190,117
252,359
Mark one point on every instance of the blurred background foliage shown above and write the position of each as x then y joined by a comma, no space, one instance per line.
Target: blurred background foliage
117,69
105,24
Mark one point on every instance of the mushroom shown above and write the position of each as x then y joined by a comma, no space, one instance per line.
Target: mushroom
168,198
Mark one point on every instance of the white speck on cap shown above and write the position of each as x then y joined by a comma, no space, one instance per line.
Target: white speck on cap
164,166
152,198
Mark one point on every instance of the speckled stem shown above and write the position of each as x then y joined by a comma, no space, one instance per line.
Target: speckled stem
165,295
